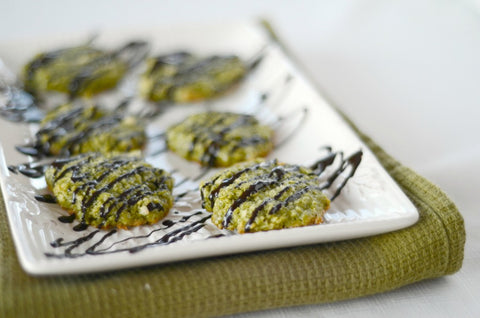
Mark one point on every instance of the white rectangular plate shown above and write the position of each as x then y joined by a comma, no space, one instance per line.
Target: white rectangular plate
371,203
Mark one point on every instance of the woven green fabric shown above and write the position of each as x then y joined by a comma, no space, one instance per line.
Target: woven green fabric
433,247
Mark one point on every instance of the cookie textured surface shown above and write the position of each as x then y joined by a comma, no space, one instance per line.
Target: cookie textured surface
264,195
109,192
219,139
77,71
181,77
76,128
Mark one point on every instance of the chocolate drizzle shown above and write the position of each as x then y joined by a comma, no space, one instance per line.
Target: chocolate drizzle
173,59
67,218
252,189
226,182
46,198
133,52
302,115
41,61
170,231
17,105
217,140
351,164
31,169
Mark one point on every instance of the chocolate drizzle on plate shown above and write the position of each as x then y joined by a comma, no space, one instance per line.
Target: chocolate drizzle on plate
94,243
17,105
46,198
30,169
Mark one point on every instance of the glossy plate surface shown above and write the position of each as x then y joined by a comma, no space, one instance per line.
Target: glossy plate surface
276,91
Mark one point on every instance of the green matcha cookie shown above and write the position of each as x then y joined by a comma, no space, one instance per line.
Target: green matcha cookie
76,128
180,77
218,139
264,195
109,192
77,71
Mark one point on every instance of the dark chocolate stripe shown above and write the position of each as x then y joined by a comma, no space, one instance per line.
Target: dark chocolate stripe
112,183
206,132
86,74
353,161
202,131
297,195
175,59
251,190
73,168
61,121
255,212
41,61
112,201
260,207
246,142
95,128
226,182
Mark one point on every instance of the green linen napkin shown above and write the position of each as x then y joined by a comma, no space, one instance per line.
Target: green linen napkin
217,286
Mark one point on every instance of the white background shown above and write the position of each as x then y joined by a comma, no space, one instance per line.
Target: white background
406,72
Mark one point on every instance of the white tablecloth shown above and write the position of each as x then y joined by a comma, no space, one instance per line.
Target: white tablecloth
406,72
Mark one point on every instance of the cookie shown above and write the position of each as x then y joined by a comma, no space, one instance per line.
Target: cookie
264,195
181,77
71,129
219,139
77,71
110,191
